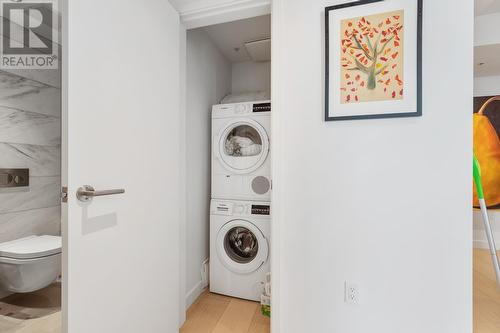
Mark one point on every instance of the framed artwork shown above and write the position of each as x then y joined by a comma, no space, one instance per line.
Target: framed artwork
373,59
486,122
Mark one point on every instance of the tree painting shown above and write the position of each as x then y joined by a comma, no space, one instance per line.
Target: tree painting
371,58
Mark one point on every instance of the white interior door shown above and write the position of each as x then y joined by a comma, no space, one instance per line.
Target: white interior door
121,130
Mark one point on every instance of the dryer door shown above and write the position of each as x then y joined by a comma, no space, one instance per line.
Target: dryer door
243,146
241,246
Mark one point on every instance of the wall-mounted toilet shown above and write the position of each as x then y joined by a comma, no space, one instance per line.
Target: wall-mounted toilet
30,263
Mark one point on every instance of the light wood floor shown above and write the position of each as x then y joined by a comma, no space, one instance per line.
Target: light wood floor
212,313
48,324
37,312
486,294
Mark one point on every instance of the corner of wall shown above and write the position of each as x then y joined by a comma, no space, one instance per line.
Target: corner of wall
194,293
182,176
208,80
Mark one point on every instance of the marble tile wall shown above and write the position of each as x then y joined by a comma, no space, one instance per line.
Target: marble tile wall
30,137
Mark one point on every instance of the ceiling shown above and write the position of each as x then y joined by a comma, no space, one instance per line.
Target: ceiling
483,7
230,37
181,5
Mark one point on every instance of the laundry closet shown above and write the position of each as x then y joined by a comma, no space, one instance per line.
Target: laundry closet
228,170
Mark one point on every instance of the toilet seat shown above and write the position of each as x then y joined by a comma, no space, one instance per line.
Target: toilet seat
30,263
31,247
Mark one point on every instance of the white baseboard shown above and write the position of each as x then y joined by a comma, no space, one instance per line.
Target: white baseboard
483,244
194,293
480,240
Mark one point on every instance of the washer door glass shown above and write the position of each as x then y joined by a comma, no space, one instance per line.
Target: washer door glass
243,146
241,245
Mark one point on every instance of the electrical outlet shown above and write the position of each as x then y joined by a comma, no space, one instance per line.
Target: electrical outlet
351,293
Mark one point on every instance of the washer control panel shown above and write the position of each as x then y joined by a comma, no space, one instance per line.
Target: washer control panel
261,210
261,107
239,208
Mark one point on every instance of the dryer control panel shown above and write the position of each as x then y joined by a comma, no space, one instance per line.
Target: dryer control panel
241,109
240,208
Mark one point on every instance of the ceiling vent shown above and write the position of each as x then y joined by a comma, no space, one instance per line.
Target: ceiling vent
259,50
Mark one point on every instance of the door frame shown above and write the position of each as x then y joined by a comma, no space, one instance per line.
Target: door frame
278,55
226,13
64,163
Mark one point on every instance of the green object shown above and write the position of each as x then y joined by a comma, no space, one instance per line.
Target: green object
486,220
477,177
266,310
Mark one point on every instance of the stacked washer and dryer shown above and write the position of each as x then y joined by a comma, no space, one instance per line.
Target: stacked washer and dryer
241,192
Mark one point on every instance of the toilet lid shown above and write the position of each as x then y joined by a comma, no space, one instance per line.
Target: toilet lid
31,247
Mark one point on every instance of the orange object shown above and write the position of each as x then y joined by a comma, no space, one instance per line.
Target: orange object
487,150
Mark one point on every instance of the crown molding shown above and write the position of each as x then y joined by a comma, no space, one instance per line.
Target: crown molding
207,12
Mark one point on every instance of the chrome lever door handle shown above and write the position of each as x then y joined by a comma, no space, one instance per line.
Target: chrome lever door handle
86,193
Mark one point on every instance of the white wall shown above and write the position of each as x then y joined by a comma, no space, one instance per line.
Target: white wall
486,29
383,203
183,171
251,76
487,86
208,81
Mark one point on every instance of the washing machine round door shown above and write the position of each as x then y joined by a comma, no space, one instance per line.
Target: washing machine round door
243,146
241,246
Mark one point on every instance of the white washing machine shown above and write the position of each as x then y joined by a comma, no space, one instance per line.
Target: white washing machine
239,247
241,167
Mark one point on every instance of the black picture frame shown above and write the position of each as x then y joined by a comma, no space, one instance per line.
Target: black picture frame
418,111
